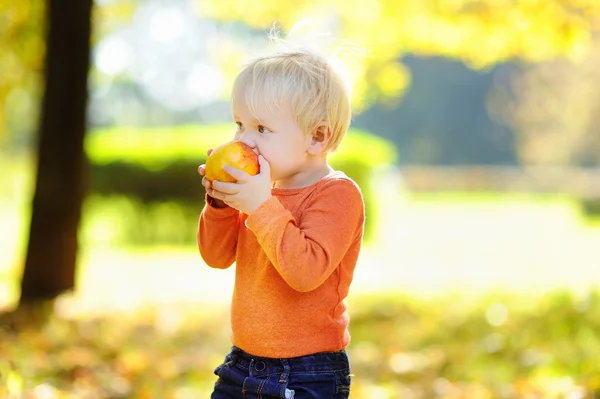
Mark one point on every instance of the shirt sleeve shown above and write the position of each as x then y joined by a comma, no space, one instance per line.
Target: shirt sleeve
217,235
306,251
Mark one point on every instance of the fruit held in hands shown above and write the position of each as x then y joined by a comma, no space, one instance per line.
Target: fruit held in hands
234,153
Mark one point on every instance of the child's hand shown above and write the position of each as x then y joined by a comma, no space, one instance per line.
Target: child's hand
249,192
217,203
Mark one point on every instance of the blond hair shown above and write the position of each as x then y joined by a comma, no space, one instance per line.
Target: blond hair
304,80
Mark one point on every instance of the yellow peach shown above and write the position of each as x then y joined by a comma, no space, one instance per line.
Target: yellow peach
234,153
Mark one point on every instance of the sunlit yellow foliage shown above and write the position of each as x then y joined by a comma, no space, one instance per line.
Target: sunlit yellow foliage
401,348
112,15
481,33
21,56
22,49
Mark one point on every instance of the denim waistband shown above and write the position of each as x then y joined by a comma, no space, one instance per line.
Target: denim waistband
318,362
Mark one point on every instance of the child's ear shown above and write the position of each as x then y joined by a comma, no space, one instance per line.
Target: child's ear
320,139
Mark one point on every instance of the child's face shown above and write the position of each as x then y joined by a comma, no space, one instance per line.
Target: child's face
275,135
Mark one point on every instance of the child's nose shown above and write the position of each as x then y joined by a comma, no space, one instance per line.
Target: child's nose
247,139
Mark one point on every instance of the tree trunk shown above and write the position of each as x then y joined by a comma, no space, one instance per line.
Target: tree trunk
62,167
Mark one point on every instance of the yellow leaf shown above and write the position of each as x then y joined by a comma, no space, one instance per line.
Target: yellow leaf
392,79
14,384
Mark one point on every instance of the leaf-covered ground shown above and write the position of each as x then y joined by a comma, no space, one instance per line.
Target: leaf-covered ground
450,347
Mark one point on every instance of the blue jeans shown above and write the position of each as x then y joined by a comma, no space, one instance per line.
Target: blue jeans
319,376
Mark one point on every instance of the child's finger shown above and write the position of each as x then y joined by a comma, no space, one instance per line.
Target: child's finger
213,193
202,169
227,188
206,183
265,167
237,174
220,195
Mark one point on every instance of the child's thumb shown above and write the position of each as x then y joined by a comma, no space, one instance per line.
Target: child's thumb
264,165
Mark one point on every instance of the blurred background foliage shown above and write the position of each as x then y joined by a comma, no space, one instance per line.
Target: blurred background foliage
475,140
152,165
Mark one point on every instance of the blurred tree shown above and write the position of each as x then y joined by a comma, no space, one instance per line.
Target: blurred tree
61,174
554,108
479,32
22,49
442,119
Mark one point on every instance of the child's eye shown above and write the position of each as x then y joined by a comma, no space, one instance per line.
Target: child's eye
239,125
262,129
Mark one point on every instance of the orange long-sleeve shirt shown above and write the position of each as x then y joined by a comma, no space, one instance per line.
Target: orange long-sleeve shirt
295,258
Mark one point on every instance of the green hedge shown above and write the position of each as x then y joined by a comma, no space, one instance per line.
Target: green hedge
151,166
590,207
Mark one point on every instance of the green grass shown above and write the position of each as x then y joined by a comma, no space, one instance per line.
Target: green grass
558,202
